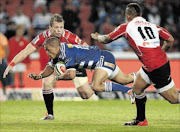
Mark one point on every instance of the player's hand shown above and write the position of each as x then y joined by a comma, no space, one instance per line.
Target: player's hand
95,35
35,76
8,69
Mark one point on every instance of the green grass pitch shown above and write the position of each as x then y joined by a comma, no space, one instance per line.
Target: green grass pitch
87,116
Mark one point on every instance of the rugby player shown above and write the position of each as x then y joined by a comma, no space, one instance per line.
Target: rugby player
85,57
56,29
145,38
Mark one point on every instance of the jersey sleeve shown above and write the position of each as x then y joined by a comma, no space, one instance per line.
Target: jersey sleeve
73,39
39,39
118,32
71,64
163,33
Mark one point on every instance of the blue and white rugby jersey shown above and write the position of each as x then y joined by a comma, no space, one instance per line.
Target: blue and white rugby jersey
77,56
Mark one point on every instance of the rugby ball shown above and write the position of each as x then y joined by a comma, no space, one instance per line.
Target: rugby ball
60,68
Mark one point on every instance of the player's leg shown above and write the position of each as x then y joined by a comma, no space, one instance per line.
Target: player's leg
142,81
119,77
164,84
82,85
98,80
122,78
171,95
48,95
83,88
99,84
106,68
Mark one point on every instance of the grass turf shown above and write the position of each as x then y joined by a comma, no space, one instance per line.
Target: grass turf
87,116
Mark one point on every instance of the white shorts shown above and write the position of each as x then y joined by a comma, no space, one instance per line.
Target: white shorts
111,74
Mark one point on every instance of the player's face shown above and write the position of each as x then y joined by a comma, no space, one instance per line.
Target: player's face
57,29
52,52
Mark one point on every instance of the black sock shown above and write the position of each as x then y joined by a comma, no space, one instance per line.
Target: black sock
140,105
48,99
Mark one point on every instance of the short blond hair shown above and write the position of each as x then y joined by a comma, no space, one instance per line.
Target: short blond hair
56,17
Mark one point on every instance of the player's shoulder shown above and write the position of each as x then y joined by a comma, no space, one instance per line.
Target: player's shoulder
67,33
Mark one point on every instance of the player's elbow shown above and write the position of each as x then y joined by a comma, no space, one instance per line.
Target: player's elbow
170,39
72,75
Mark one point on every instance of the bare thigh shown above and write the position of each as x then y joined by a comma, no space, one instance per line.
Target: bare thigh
83,89
48,82
171,95
98,79
123,78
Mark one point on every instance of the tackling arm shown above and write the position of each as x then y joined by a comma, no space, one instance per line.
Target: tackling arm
19,57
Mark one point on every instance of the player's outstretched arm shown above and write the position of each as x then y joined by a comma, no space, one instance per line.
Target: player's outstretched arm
19,57
47,72
101,38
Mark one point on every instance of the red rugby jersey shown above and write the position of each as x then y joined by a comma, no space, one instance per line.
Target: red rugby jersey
67,37
144,38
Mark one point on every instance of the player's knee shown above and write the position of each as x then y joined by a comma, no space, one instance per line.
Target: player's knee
46,84
85,94
174,100
97,88
137,92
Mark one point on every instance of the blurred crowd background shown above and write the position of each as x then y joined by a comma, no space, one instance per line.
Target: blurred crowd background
22,20
83,17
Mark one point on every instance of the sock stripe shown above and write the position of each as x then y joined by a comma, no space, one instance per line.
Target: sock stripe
108,86
140,96
49,91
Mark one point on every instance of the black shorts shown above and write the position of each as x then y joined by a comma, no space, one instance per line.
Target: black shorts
160,77
81,73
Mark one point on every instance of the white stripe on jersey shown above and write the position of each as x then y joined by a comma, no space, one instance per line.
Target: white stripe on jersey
62,54
90,63
49,33
81,65
100,62
44,34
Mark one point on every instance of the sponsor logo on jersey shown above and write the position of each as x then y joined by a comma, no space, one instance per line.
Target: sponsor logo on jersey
109,64
70,45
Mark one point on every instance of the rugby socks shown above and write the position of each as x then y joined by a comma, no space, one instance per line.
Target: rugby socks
140,105
48,99
110,86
